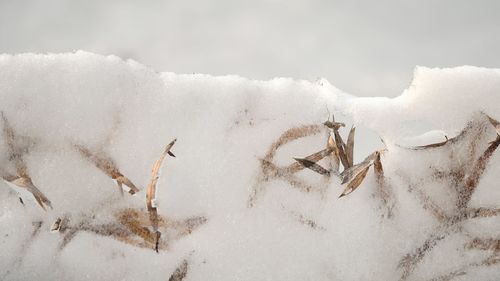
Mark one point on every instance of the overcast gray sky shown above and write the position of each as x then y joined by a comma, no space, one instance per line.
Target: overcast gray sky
367,48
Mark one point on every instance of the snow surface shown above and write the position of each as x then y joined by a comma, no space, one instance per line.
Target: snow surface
224,126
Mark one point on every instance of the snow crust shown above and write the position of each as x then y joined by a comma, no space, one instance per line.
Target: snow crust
224,126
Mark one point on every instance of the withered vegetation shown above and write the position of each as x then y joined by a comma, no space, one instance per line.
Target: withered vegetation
270,170
464,179
309,222
134,227
106,164
336,152
180,272
131,227
21,178
151,193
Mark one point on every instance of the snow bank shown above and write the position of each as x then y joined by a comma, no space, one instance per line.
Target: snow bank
250,227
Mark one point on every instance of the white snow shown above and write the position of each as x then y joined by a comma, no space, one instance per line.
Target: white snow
224,126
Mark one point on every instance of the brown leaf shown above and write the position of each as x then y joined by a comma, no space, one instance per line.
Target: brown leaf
334,125
432,145
482,213
478,169
349,151
108,167
377,164
495,124
56,225
313,166
315,157
449,276
356,181
180,272
348,174
341,148
151,192
26,183
291,135
335,157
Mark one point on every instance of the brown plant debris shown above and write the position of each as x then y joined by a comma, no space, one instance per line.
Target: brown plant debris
384,189
151,193
482,212
355,182
465,179
56,226
432,145
490,245
495,124
313,166
108,167
449,276
131,227
22,178
270,170
334,155
337,152
306,221
180,272
349,150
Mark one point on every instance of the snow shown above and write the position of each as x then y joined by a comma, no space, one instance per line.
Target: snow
225,126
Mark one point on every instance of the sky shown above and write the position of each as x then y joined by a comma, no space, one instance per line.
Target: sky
365,48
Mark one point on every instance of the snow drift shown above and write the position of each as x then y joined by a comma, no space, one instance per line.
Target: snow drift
223,215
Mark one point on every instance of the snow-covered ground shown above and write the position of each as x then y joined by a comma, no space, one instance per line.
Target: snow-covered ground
224,210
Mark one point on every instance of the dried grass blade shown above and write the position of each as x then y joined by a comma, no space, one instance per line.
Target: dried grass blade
449,276
349,151
180,272
356,181
39,196
108,167
56,226
410,261
349,173
334,125
313,166
429,205
432,145
484,244
495,124
377,165
478,169
482,213
10,137
335,157
151,192
341,148
384,189
315,157
291,135
26,183
121,179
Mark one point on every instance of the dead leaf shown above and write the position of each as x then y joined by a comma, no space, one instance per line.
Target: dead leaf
349,151
356,181
313,166
151,192
180,272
